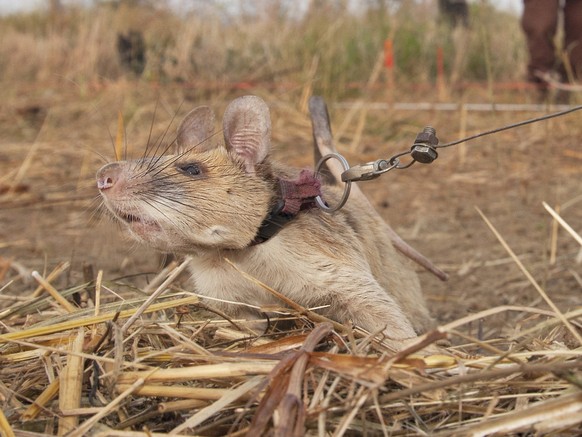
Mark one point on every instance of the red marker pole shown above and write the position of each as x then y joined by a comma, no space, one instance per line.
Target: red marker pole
389,64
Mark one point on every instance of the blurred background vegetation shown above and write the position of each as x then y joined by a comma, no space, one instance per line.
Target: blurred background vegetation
330,45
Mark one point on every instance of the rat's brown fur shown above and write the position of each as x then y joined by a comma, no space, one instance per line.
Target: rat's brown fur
342,260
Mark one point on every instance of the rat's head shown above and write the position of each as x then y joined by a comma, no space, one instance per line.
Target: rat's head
203,196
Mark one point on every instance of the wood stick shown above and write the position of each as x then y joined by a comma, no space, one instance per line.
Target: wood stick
60,268
71,385
53,292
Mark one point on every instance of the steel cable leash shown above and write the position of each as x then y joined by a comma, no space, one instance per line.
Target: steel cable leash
424,150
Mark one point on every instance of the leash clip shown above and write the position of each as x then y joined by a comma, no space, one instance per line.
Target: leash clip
369,170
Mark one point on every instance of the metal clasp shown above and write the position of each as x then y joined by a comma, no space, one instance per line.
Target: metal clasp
347,187
369,170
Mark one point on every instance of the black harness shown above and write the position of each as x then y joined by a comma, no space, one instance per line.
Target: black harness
296,196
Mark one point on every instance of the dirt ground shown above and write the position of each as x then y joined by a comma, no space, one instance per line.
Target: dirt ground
52,141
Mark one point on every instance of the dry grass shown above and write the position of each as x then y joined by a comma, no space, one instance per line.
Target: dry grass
172,372
272,42
86,350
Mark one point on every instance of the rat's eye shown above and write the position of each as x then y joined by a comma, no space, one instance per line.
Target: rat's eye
190,169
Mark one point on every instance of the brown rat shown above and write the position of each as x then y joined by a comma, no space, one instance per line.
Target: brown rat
210,201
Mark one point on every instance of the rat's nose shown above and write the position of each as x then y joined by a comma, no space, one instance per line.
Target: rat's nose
108,175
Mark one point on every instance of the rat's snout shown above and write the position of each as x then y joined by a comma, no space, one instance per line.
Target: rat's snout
108,176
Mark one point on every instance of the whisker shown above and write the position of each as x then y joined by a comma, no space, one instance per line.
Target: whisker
163,136
145,152
185,152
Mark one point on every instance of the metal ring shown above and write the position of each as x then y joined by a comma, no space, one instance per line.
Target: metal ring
348,184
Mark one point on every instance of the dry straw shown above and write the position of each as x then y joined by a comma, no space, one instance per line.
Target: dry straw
176,374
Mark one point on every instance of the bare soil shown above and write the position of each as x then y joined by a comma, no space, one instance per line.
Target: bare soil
52,141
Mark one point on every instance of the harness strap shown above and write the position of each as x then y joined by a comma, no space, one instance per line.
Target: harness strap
296,195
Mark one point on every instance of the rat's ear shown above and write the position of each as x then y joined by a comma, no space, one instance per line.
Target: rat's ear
247,130
196,130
